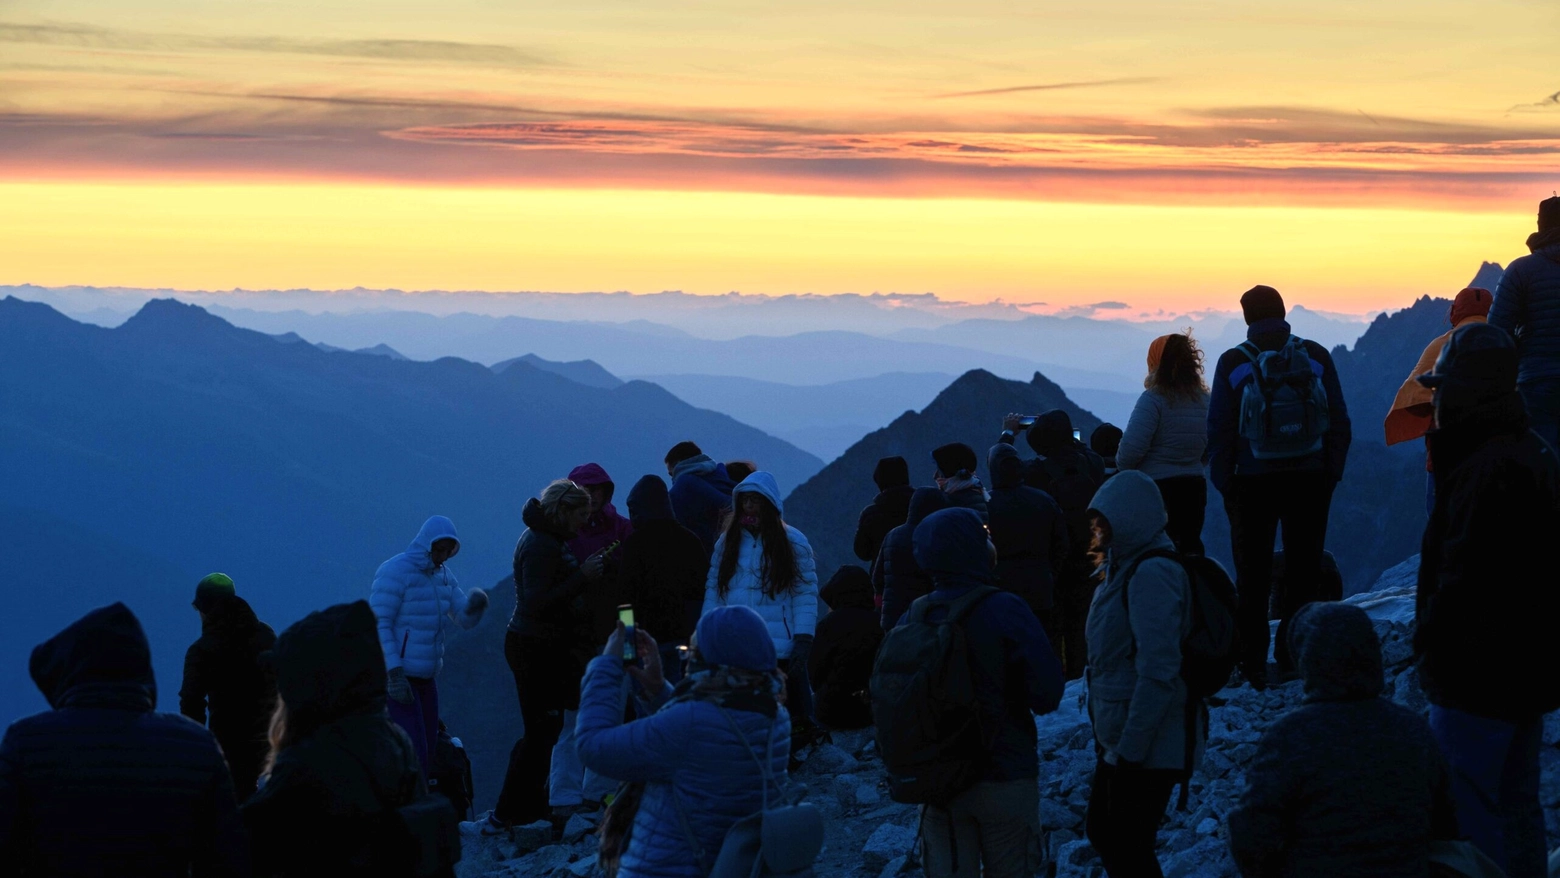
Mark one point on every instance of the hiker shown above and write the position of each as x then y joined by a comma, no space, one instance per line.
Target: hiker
1349,784
896,579
661,569
992,828
764,563
1276,451
1167,436
956,477
701,491
414,596
1106,442
545,646
888,509
697,762
847,643
737,470
1484,610
340,768
1030,534
227,674
101,784
1052,438
1527,305
605,526
1137,699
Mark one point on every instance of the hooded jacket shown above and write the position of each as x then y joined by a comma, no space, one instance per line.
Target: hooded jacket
1349,785
1065,469
549,585
1136,696
840,664
1413,409
605,526
227,672
888,510
101,782
414,601
663,566
328,807
1166,436
1028,529
896,576
791,613
1527,305
701,497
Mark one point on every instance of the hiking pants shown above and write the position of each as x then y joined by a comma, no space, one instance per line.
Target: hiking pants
1495,783
420,719
799,703
1126,806
542,687
1257,506
1186,504
1542,399
991,829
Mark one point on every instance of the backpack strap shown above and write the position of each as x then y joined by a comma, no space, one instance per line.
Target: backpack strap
1126,580
1252,352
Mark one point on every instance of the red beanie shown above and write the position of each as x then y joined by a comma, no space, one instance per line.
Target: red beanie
1471,302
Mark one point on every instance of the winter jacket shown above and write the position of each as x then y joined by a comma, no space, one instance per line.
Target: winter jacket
1229,454
1413,412
1028,529
1349,785
896,576
227,672
1052,436
1136,696
1013,668
1166,435
605,526
101,784
1486,605
707,787
1527,305
414,601
662,566
553,598
844,650
1068,471
887,511
794,611
328,807
701,497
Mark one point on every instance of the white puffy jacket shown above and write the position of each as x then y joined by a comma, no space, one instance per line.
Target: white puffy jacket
792,613
413,601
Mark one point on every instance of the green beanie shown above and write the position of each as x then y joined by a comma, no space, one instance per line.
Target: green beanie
213,588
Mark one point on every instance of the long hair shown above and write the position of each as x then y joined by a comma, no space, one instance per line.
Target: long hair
1180,369
279,736
777,572
1099,553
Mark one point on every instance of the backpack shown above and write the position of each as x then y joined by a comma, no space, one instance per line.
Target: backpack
924,704
450,773
1283,409
1071,481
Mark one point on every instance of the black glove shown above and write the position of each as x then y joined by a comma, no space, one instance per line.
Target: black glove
801,647
397,687
476,602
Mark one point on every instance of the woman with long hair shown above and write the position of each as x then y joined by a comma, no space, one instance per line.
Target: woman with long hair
1167,436
763,563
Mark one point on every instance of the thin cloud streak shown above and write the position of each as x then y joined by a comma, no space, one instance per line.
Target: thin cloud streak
1049,86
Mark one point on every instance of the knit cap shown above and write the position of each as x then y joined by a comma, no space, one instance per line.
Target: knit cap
736,637
213,588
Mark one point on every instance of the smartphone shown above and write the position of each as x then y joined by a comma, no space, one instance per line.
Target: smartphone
630,643
1026,422
1077,435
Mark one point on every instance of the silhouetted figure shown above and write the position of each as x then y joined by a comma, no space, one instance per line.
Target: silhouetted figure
1106,442
605,525
701,491
847,643
1527,305
737,470
663,567
227,673
896,578
1030,534
888,509
956,464
101,784
1167,436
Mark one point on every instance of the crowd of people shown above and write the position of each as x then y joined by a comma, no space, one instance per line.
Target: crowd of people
313,752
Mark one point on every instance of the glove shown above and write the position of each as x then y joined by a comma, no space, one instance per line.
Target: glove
476,602
801,647
397,687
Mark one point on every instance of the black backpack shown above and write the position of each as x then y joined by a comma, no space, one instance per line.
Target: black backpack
924,705
450,773
1071,481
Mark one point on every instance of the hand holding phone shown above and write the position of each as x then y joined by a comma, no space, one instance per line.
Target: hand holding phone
631,641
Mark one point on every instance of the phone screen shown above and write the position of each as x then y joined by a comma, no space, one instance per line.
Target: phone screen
1026,423
630,646
1077,435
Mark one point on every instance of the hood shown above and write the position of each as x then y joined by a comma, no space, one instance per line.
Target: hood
924,502
102,651
850,586
648,501
329,665
1052,433
764,485
589,476
1269,326
891,472
229,616
1546,242
434,529
698,465
534,518
1130,501
1336,651
951,545
1007,470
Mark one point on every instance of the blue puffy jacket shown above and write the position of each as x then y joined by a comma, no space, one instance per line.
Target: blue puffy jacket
414,601
701,497
687,753
1527,305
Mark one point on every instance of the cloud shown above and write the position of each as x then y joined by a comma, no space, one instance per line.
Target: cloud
1550,103
1091,310
1048,86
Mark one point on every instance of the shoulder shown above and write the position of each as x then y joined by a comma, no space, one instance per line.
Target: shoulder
1159,569
394,569
798,539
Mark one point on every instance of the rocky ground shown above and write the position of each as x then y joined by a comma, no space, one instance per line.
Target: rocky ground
870,836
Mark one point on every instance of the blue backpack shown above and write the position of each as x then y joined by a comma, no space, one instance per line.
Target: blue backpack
1283,410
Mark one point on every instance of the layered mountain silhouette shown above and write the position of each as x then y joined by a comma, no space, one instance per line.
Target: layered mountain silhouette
586,372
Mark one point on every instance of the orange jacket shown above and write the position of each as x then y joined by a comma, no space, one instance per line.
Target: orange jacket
1412,413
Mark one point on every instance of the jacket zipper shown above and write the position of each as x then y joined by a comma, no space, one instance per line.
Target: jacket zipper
404,638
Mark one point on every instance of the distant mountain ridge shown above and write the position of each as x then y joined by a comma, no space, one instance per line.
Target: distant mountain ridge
586,372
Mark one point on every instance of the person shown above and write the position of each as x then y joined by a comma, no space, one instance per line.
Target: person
101,784
1053,439
662,567
1030,534
605,526
888,509
1527,305
1167,436
737,470
956,477
992,828
1483,635
228,679
701,491
413,595
339,767
1137,699
764,563
1106,442
846,644
1349,784
547,640
896,579
1261,493
685,798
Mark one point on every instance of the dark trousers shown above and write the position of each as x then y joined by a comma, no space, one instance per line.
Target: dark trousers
1542,399
420,719
540,684
1257,506
799,703
1126,806
1495,783
1186,504
1070,615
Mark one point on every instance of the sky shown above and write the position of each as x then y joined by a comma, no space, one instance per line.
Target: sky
1163,154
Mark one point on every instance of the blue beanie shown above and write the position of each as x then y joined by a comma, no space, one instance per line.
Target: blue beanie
737,637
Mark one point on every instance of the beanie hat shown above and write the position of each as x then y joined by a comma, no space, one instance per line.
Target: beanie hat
213,588
891,472
1156,352
1548,214
736,637
953,457
1471,302
1262,303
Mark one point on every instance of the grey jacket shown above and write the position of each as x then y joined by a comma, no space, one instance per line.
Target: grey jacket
1166,436
1137,699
